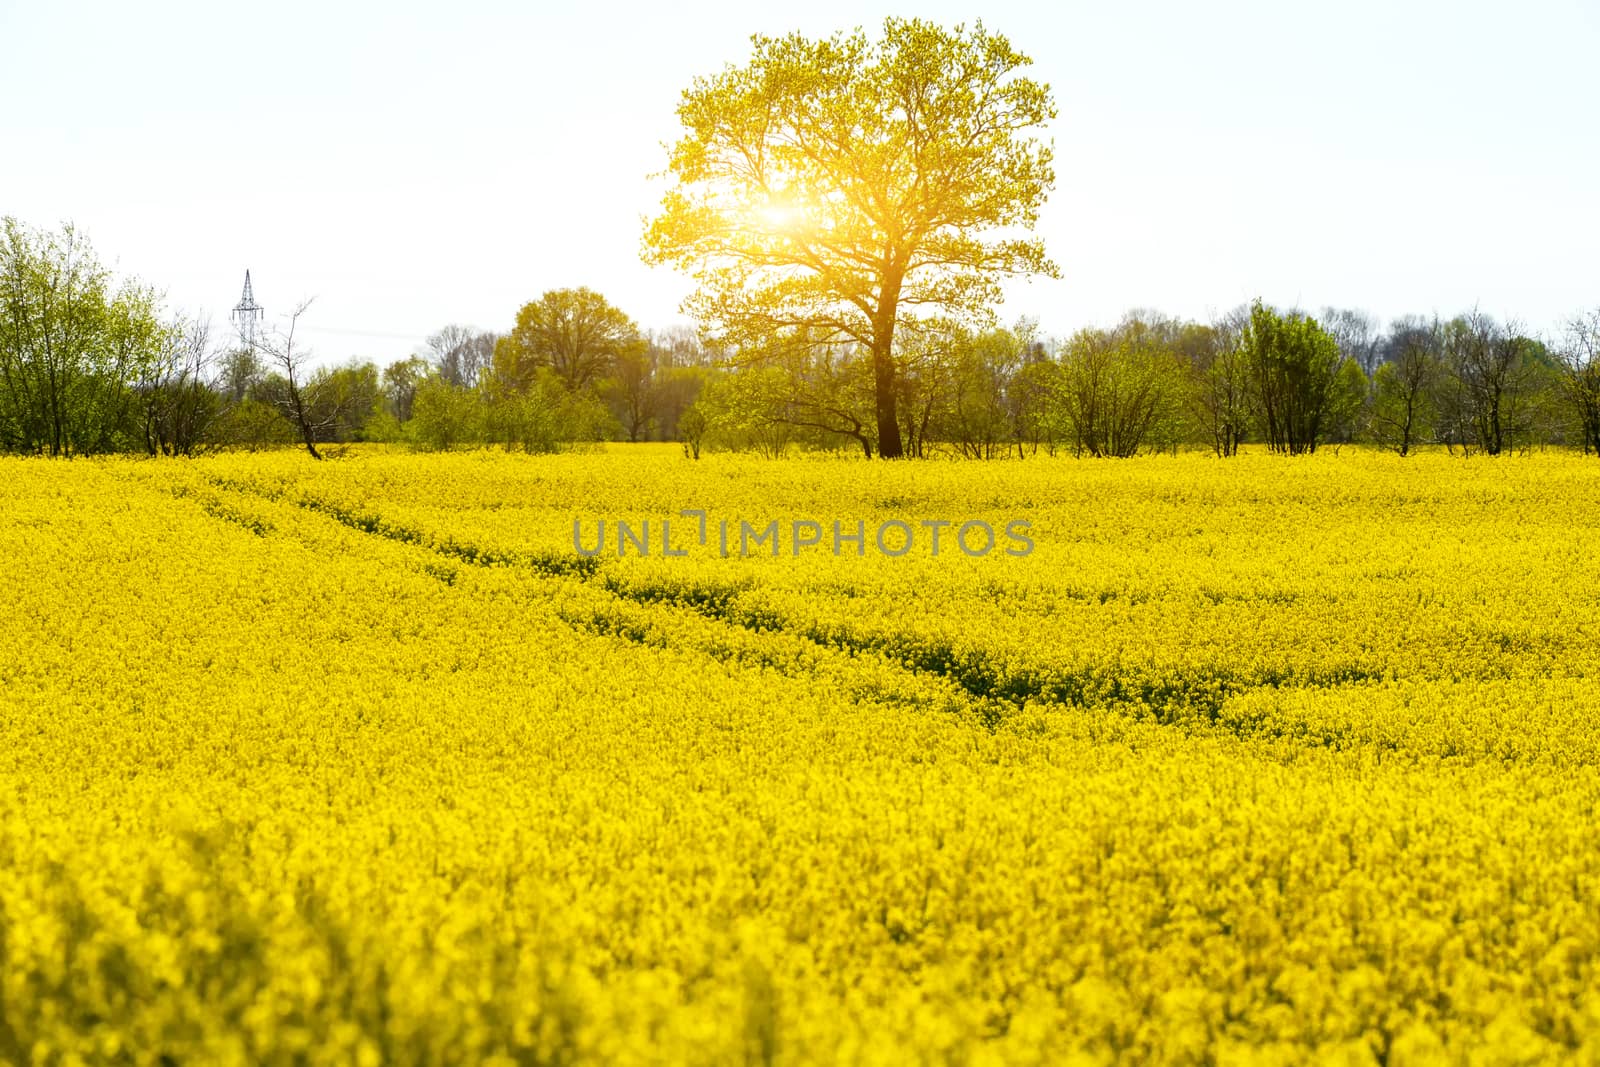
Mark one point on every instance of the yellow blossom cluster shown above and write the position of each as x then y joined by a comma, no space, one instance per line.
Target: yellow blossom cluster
1259,761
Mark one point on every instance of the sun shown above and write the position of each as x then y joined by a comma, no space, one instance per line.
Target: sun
779,216
782,212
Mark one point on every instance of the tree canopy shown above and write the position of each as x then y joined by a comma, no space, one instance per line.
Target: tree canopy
1295,364
842,188
576,333
71,344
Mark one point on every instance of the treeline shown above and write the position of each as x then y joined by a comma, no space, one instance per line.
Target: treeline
1284,379
88,365
574,369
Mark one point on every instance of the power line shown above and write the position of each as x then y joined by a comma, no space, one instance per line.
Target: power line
365,333
249,314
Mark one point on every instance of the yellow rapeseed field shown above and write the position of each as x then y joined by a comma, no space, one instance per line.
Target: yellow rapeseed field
1258,761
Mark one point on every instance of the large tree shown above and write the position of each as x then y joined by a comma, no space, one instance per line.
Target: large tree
831,188
575,333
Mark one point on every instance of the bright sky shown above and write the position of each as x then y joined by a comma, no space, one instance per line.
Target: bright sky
414,164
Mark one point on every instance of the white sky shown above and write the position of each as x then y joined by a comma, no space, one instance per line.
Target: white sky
413,164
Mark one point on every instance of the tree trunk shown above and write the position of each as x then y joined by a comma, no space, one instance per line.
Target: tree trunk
889,446
301,421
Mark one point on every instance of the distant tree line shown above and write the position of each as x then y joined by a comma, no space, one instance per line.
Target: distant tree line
1290,381
90,365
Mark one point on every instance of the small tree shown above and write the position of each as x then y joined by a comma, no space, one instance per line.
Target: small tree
1029,402
1220,394
750,409
692,425
444,415
1120,389
544,415
975,418
632,388
676,388
1404,385
823,391
400,382
1581,381
291,359
1349,404
1294,366
239,372
1492,378
252,424
926,383
180,406
343,400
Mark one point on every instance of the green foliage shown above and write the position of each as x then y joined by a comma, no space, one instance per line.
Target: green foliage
71,345
975,418
692,427
445,415
342,400
1401,413
544,415
252,424
240,371
1294,365
1122,390
1348,403
384,428
180,417
1035,417
1219,393
1580,381
632,391
1493,395
822,394
338,402
749,411
400,381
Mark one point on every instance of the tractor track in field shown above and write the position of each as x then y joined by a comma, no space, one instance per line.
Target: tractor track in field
963,677
614,618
